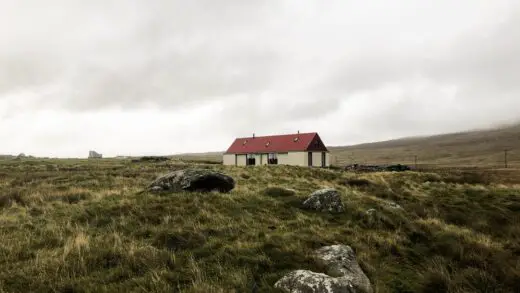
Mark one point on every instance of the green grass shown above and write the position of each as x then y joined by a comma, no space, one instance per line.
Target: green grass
82,226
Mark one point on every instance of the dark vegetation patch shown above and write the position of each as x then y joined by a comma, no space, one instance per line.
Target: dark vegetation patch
278,192
153,159
357,182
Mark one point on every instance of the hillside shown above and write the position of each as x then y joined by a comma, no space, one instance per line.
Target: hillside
82,226
483,148
471,148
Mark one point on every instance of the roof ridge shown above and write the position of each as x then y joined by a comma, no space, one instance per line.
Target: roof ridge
278,135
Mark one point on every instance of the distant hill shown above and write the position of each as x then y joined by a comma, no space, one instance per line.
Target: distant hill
470,148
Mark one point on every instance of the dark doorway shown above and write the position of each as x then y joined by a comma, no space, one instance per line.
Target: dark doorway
250,160
310,159
323,159
272,159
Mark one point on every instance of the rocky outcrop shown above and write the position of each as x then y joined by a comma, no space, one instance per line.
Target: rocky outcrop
324,200
199,180
343,274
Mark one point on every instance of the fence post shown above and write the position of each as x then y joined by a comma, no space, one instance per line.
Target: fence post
505,158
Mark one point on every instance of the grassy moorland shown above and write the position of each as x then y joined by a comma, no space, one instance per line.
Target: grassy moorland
81,226
482,148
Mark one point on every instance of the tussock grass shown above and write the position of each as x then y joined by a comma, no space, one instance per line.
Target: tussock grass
83,226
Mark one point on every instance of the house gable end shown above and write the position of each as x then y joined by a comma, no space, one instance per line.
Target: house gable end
317,145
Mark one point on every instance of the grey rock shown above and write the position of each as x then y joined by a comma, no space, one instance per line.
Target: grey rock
324,200
371,212
200,180
302,281
340,261
343,274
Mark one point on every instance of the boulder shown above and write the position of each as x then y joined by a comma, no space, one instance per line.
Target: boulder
199,180
340,261
307,281
324,200
343,274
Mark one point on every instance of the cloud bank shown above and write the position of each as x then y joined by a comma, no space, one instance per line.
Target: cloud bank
129,77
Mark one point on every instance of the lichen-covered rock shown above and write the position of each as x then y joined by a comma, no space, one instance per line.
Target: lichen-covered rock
199,180
324,200
340,261
302,281
344,275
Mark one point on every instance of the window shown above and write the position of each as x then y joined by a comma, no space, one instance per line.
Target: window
250,160
272,159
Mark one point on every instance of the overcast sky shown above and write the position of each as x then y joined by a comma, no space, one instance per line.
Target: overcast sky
133,77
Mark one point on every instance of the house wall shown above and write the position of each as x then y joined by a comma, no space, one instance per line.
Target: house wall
316,159
228,159
262,159
290,158
327,159
241,160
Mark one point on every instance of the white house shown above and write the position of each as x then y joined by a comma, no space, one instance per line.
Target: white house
300,149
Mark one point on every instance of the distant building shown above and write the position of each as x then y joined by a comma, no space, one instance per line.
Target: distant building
300,149
94,155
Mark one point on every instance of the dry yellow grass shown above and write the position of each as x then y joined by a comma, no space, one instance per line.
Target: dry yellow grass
81,226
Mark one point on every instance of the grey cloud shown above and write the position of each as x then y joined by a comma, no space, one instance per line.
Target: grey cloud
171,80
482,66
269,63
171,54
487,59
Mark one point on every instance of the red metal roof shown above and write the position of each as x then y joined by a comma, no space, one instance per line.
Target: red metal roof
277,144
